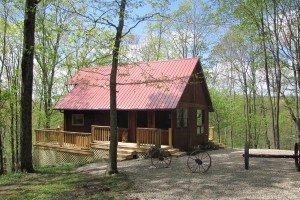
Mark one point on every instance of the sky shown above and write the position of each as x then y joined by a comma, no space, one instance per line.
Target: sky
141,28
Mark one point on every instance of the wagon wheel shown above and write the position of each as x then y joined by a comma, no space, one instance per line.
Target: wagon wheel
160,158
199,161
297,154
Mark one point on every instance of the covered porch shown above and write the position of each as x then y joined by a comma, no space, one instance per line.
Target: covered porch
145,137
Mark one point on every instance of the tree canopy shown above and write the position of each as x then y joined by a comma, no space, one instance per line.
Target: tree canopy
249,50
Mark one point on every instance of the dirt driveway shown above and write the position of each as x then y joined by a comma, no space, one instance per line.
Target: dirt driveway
267,178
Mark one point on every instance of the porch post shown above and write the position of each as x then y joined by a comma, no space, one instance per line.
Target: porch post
61,138
92,133
138,138
170,137
158,138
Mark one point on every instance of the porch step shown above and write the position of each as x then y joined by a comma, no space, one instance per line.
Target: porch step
176,153
127,151
118,159
214,145
125,154
179,154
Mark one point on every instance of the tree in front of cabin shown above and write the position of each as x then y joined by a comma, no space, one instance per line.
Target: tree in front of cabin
122,14
27,80
112,168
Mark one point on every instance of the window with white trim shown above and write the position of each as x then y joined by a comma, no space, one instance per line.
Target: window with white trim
200,120
182,115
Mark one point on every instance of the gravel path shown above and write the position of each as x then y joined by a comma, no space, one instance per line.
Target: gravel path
267,178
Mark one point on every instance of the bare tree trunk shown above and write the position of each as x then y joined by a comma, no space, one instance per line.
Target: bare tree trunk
159,40
266,68
231,94
17,127
48,63
297,47
12,137
277,76
27,79
1,152
247,108
1,72
254,103
112,168
291,42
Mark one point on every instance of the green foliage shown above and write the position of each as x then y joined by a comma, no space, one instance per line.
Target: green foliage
230,115
75,34
39,119
63,182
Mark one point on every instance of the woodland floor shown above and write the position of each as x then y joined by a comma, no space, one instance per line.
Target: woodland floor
267,178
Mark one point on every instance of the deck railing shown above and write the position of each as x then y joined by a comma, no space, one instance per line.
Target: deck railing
211,135
144,137
148,137
102,133
63,138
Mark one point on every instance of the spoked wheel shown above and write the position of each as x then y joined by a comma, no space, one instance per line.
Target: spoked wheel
199,161
161,158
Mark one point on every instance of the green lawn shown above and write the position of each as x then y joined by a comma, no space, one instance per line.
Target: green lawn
63,183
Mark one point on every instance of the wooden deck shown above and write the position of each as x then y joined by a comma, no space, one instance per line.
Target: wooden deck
95,145
128,150
97,151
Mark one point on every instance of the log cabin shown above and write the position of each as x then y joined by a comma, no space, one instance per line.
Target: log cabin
158,103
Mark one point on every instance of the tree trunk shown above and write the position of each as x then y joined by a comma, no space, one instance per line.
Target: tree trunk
277,75
1,72
1,153
12,137
27,79
267,71
112,167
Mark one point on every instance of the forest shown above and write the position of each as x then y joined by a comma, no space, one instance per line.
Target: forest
248,48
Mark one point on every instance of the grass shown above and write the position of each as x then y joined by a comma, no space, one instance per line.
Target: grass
63,182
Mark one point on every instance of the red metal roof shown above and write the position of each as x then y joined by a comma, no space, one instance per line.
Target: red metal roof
142,86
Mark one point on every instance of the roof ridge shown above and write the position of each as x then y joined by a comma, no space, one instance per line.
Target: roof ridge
144,62
178,59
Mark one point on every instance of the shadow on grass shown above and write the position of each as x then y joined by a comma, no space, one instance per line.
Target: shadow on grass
63,183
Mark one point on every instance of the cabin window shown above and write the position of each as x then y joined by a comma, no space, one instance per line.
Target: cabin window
182,114
77,120
200,120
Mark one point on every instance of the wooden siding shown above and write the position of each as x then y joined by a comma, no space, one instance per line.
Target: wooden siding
88,121
184,138
101,118
194,95
193,98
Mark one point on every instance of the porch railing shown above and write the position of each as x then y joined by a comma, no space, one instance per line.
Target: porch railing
63,138
211,135
144,137
148,137
102,133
